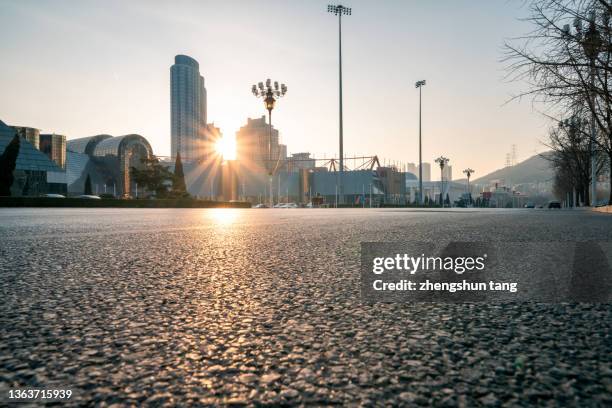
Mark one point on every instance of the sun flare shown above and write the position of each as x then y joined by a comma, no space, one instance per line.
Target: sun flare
226,147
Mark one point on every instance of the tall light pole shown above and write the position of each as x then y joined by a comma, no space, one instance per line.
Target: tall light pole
419,84
442,161
270,94
468,172
340,10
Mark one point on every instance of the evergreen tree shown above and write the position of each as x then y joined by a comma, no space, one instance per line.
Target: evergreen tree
447,201
8,161
178,181
153,177
88,186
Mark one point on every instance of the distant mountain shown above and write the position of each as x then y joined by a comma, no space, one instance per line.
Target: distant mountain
534,169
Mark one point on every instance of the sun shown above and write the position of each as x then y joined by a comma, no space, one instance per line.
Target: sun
226,147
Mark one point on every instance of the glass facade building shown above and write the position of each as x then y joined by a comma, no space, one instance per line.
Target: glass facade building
188,109
108,161
30,134
35,173
54,146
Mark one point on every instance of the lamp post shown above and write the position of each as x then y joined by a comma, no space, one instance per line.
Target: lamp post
340,10
442,161
468,172
270,94
419,85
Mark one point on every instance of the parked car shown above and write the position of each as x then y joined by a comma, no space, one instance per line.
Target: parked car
530,205
260,206
554,204
53,196
89,197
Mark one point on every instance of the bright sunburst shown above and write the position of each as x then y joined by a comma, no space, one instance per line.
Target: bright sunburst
226,147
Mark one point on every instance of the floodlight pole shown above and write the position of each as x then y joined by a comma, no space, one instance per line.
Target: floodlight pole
339,10
419,84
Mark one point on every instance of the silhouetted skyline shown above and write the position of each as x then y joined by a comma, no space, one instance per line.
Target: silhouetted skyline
102,67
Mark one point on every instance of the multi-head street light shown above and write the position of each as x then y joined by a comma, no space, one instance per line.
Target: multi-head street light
468,172
442,162
270,93
340,10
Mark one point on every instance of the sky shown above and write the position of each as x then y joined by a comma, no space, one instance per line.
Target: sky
82,68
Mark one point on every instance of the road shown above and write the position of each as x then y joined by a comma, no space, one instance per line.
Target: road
225,306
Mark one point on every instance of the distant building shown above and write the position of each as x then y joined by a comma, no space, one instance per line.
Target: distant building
35,173
426,172
230,183
301,161
54,146
412,168
188,109
108,161
28,133
252,145
447,172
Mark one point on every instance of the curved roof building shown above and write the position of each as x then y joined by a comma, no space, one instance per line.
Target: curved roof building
114,157
85,144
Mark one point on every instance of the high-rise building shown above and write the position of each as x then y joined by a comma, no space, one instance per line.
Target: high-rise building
54,146
188,109
252,144
426,172
412,168
30,134
302,161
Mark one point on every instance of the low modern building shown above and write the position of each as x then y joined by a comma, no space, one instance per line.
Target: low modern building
35,173
108,161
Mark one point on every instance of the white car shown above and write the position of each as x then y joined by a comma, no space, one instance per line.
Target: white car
89,197
54,196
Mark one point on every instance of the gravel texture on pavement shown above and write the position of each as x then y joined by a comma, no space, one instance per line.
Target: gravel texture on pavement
238,307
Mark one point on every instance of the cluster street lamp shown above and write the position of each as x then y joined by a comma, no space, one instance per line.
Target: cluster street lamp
419,85
591,43
442,161
468,172
270,93
340,10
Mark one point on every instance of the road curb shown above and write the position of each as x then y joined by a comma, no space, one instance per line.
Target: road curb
604,209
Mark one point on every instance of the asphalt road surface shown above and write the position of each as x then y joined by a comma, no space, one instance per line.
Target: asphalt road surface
189,306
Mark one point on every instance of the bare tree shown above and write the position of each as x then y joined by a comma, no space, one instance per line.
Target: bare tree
570,157
566,61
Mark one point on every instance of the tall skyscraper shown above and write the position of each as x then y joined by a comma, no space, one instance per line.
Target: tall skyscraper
188,109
